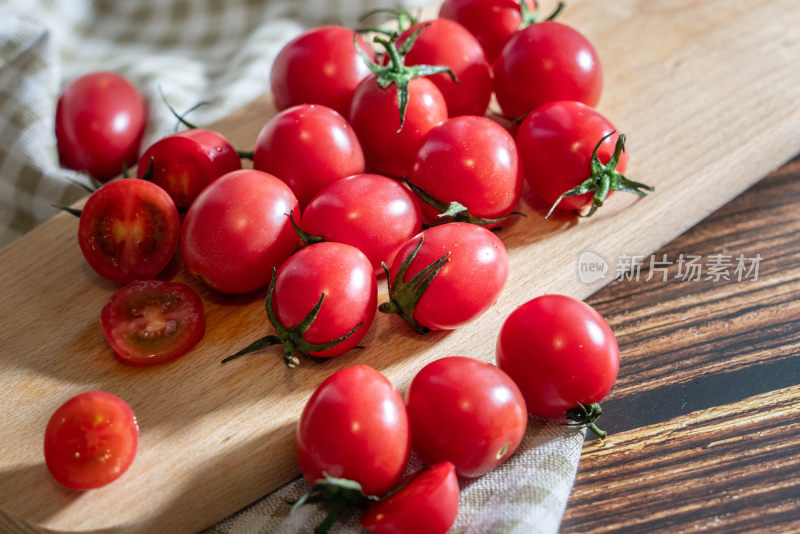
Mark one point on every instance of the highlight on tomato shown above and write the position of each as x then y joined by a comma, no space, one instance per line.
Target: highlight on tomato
446,276
373,213
467,412
184,163
308,146
129,230
100,121
321,302
90,440
237,230
427,504
148,322
563,356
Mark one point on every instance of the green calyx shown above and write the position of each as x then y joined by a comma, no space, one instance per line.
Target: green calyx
586,415
532,17
604,178
404,296
307,238
339,493
396,72
454,211
291,338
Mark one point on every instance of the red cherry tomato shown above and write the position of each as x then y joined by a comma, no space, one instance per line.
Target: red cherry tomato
544,62
129,230
492,22
346,278
354,426
467,412
90,440
373,213
238,229
186,162
376,119
555,143
150,322
466,285
100,120
308,147
427,505
446,42
560,352
321,66
471,160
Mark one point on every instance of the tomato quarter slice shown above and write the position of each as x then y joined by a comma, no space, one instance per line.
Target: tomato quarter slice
150,322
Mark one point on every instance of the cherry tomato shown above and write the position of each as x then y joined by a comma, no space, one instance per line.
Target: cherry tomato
238,229
354,426
376,120
467,412
471,160
308,146
90,440
321,66
427,505
560,352
468,283
373,213
555,144
186,162
492,22
346,278
100,120
149,322
544,62
446,42
129,230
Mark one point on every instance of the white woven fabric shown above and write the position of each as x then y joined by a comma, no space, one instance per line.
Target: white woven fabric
218,51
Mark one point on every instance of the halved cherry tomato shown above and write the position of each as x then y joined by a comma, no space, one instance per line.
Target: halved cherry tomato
492,22
321,66
186,162
100,120
371,212
446,42
129,230
544,62
467,412
428,504
238,229
149,322
308,147
560,352
354,426
90,440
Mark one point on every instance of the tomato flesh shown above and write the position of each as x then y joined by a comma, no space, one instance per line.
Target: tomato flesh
90,440
151,322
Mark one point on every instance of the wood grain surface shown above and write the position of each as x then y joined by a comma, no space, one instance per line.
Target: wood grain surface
706,92
704,418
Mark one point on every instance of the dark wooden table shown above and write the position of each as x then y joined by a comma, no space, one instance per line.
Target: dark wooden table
704,420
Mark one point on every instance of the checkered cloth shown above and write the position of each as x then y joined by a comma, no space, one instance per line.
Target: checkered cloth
218,51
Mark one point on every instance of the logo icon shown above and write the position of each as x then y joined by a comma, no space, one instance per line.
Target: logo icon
591,267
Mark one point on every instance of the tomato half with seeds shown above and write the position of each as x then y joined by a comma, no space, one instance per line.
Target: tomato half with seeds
100,121
560,352
184,163
129,230
149,321
354,426
428,504
467,412
90,440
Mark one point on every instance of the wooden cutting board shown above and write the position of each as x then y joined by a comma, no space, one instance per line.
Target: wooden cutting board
708,95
